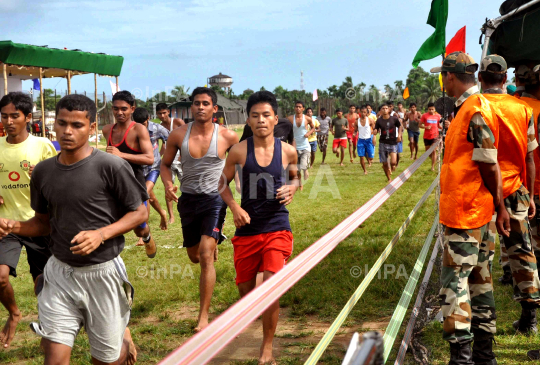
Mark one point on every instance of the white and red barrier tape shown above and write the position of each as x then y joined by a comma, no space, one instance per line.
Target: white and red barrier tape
203,346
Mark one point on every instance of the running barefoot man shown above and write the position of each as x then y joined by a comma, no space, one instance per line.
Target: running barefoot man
300,124
322,134
430,122
365,146
203,146
390,129
19,153
413,118
86,200
339,129
169,123
151,173
131,141
263,241
352,118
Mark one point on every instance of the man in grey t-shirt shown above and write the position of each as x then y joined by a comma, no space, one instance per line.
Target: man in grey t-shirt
86,200
322,134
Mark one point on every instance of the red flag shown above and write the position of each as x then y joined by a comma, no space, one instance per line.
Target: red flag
457,44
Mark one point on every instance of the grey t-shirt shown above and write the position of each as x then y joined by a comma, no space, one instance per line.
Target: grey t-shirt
90,194
156,132
325,125
339,123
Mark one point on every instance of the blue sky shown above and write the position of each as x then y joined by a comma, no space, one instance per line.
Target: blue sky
258,43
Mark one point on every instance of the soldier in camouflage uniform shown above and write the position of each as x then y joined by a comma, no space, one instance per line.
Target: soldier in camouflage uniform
471,191
516,161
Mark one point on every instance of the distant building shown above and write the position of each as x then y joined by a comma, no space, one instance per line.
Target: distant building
222,81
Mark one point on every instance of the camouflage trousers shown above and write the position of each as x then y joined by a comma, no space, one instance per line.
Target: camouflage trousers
518,249
466,296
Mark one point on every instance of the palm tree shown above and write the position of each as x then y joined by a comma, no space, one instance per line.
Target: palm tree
179,92
431,89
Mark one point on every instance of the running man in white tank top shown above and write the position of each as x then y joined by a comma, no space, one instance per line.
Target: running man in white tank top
301,134
169,123
203,146
364,145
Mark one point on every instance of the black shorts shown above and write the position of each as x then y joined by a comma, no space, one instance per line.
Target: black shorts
429,142
201,214
37,252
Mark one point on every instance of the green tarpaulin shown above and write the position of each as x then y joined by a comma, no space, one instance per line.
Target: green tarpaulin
517,40
34,56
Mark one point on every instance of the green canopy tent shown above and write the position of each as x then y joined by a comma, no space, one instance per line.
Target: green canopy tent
26,61
514,35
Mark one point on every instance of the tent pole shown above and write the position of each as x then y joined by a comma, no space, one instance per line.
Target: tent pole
43,124
117,89
69,82
95,98
5,79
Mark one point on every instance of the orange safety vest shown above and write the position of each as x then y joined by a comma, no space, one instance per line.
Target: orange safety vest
514,116
465,202
535,104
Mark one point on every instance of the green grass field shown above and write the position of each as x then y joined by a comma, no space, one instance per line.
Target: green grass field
166,288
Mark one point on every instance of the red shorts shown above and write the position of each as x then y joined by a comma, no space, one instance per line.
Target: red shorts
339,142
263,252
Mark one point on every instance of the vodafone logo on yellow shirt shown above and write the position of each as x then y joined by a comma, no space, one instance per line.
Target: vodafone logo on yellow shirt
14,176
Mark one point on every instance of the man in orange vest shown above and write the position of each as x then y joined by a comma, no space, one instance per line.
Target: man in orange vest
471,191
516,146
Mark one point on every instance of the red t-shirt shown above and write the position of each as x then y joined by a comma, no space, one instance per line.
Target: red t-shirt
433,121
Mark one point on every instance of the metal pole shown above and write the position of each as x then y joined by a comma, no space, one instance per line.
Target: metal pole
95,98
69,82
43,124
5,79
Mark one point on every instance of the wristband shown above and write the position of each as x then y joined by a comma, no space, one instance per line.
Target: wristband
102,238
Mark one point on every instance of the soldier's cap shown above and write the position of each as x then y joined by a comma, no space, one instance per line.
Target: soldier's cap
527,75
457,62
493,60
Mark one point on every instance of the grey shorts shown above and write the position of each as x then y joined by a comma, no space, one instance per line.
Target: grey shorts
385,150
98,297
176,169
303,159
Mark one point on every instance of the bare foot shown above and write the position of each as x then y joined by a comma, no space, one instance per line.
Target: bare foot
302,188
140,242
163,223
306,175
352,161
203,323
365,172
132,351
266,355
341,164
322,163
171,219
7,334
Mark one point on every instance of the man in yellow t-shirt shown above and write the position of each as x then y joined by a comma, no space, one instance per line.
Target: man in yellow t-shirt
19,153
313,138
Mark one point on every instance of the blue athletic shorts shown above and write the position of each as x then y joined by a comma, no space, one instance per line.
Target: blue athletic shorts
313,146
152,176
400,147
143,226
414,135
365,148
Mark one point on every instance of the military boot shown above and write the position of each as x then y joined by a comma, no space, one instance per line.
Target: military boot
460,354
506,279
483,348
527,322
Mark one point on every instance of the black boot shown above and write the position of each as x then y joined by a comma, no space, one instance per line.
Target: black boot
506,279
483,348
460,354
527,322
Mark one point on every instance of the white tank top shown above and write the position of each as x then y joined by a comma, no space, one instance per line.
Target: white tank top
364,132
